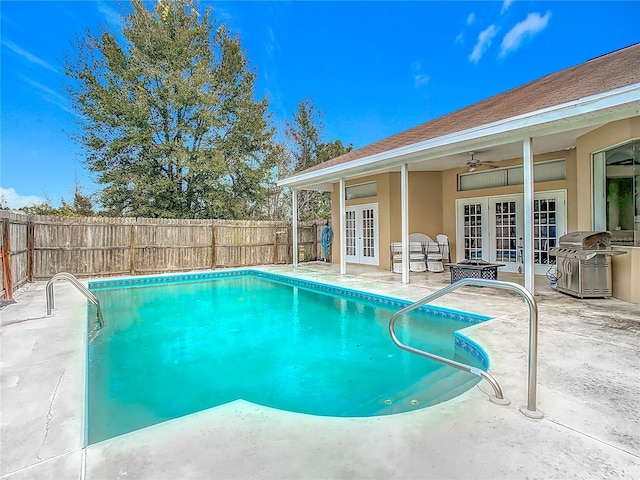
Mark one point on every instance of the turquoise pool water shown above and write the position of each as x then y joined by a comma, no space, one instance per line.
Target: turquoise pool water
177,345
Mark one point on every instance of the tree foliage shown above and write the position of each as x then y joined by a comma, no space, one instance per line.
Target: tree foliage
305,133
82,206
169,122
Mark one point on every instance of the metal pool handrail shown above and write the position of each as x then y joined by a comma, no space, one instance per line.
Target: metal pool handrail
530,409
76,283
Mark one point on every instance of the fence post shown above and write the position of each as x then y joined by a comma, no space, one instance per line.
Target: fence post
289,245
30,250
213,246
275,244
6,259
132,250
314,244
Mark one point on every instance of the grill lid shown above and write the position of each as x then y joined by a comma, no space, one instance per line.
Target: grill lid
582,254
591,240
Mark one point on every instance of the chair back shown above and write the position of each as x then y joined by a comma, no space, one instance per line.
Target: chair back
443,243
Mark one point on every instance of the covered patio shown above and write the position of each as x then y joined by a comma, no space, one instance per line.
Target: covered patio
536,145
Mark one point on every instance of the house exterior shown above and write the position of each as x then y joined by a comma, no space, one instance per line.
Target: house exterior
557,155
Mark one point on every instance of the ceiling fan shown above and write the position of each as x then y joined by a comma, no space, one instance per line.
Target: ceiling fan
474,163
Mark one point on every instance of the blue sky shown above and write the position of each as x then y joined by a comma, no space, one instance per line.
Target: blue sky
374,68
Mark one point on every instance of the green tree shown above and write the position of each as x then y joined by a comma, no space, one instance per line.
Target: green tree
82,206
169,121
277,205
43,208
305,133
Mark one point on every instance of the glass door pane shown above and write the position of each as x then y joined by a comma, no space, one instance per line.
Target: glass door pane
545,217
506,231
350,232
368,233
472,233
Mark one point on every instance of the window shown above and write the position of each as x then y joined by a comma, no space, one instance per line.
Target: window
361,191
501,177
616,193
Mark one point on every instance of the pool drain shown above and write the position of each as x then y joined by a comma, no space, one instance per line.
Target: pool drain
388,402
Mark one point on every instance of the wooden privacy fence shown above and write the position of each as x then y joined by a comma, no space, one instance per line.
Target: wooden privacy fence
37,247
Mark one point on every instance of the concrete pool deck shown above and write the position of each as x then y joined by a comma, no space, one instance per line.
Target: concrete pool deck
588,391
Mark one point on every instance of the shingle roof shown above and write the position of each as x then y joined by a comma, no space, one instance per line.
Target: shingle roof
598,75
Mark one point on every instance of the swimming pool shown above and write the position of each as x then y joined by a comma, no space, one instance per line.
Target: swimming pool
177,344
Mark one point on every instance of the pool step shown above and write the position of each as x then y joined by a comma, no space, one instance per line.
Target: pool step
431,390
439,386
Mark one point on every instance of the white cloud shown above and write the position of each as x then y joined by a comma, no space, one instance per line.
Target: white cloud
471,18
421,79
531,25
270,46
51,96
484,42
26,55
110,15
505,6
45,89
14,200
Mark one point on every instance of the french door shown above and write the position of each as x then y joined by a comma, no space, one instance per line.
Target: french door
506,217
492,228
361,234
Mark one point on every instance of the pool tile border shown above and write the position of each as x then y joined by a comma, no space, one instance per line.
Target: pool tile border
472,348
469,318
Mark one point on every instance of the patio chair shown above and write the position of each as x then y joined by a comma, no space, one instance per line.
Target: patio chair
416,256
395,252
434,258
432,252
443,244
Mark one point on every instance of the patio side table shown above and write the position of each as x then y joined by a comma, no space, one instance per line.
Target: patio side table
474,269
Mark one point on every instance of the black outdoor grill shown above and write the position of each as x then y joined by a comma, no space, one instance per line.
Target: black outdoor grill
584,264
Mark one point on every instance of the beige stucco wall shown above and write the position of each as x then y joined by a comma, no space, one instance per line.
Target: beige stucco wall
425,204
625,275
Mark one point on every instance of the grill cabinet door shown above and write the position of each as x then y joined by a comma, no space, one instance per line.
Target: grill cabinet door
596,276
569,275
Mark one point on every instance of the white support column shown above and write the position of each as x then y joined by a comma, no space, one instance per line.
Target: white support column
404,193
527,155
343,230
294,225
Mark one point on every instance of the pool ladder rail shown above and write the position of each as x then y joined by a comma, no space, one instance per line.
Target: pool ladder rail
530,410
76,283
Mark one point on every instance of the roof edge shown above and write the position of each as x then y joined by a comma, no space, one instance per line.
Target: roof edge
535,120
